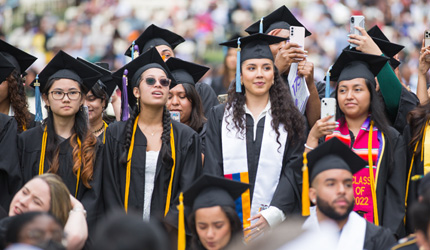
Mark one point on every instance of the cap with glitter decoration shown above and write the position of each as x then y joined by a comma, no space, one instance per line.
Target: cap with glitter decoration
18,58
282,18
106,82
186,72
154,36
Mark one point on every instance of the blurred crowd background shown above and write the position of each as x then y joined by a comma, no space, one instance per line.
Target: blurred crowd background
101,30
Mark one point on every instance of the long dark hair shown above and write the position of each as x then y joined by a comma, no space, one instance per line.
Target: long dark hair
283,109
81,131
233,218
18,100
417,119
376,109
197,118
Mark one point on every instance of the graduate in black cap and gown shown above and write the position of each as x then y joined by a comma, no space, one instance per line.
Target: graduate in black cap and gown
254,136
213,220
149,158
328,182
278,23
13,100
63,144
165,42
362,125
183,98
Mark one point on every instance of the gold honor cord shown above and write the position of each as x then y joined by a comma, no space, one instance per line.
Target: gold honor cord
104,132
169,191
42,158
24,127
372,179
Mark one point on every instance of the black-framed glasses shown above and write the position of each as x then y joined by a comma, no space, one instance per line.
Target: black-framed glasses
59,95
165,82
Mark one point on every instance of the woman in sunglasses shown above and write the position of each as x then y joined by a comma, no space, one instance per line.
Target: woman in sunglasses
64,145
149,158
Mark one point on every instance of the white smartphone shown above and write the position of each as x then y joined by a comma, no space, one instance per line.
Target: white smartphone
427,42
328,107
175,115
297,35
355,21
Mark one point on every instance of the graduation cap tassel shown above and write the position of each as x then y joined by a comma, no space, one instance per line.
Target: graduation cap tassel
238,83
305,188
181,224
261,25
132,50
125,111
135,51
327,82
38,115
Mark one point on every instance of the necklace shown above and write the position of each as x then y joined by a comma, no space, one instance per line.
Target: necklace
100,129
153,131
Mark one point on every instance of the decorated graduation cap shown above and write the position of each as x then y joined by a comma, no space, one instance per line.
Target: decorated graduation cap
255,46
354,64
332,154
63,66
6,68
282,18
388,48
209,191
133,70
154,36
105,82
18,58
186,72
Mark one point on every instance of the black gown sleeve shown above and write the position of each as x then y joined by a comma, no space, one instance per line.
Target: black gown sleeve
378,238
202,135
10,174
208,96
213,149
408,101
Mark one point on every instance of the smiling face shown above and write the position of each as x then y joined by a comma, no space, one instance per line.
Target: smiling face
213,227
66,106
353,98
152,95
34,196
95,106
179,102
258,76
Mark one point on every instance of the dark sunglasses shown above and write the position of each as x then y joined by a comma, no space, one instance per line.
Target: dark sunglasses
165,82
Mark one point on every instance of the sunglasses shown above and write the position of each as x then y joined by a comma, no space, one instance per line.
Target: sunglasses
165,82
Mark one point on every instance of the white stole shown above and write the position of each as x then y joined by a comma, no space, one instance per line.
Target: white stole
353,232
235,159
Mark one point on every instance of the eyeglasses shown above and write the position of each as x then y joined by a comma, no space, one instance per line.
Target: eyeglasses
59,95
165,82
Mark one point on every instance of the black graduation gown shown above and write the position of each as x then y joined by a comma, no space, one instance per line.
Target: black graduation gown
202,134
188,168
214,159
409,243
408,101
218,86
208,96
377,238
10,174
29,146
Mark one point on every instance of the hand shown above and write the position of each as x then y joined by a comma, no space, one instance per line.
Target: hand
424,65
288,54
321,128
364,43
257,229
306,69
75,203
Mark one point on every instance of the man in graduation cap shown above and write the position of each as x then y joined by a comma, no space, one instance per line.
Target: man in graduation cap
165,42
331,166
278,23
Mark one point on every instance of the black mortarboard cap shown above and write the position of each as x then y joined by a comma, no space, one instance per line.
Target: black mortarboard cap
209,191
64,66
154,36
18,58
186,72
354,64
388,48
282,18
106,82
135,68
6,68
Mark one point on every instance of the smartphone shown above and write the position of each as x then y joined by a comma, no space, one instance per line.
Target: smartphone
222,98
328,107
297,35
427,42
356,21
175,115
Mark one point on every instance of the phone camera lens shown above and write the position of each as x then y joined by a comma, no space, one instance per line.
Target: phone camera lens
352,20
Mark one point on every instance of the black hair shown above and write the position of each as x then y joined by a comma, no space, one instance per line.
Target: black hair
18,100
420,215
235,225
197,118
99,92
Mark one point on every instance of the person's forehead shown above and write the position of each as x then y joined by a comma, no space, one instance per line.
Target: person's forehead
336,174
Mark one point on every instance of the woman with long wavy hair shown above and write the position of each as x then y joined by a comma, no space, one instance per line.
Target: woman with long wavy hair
63,144
13,100
254,136
149,158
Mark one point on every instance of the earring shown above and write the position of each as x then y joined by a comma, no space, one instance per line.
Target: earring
81,107
49,108
241,83
314,201
137,102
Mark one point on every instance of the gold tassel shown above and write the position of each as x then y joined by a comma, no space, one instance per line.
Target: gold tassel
181,224
305,187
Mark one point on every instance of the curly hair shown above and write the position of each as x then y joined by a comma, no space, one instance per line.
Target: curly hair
282,107
18,100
